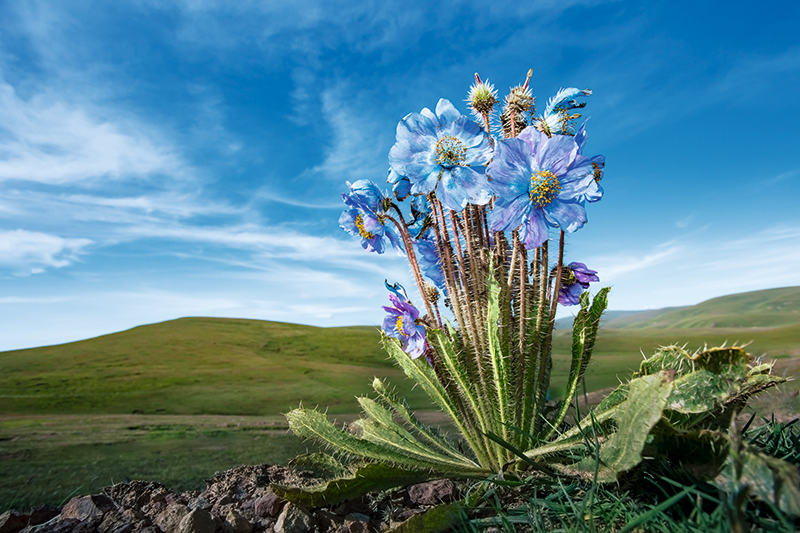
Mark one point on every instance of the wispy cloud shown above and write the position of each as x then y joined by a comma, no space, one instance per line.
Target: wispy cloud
44,139
28,252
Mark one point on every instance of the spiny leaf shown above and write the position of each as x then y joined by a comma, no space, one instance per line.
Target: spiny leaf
400,407
435,520
307,423
635,418
371,477
584,334
767,478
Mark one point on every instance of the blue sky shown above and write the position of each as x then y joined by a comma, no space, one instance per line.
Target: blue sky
165,159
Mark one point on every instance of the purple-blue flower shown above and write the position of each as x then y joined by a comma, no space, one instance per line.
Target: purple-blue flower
540,181
401,187
401,323
428,258
443,152
575,278
365,217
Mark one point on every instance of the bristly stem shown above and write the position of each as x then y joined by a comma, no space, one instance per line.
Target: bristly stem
412,259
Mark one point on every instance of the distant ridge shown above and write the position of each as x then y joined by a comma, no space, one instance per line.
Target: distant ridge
769,308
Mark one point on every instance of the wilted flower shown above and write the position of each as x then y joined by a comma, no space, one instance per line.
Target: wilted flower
557,117
428,258
401,187
365,218
443,152
539,181
401,323
575,278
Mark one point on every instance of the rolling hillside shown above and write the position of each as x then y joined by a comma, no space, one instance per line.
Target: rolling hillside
757,309
199,366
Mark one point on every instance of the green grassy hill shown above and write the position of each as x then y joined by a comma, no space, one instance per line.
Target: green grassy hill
766,308
200,366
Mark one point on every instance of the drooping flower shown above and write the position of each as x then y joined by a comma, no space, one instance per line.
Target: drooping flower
401,187
557,117
443,152
539,181
401,323
575,278
429,260
594,191
365,218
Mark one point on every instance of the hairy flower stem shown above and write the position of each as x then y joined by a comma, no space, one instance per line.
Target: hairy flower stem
537,379
412,259
522,312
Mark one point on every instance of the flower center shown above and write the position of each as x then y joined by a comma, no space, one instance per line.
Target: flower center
361,231
450,152
544,187
400,326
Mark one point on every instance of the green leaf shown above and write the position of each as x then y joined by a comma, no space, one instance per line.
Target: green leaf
307,423
584,334
767,478
321,465
401,408
435,520
499,371
635,418
368,478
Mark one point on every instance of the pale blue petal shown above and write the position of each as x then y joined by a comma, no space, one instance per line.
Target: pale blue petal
569,216
446,112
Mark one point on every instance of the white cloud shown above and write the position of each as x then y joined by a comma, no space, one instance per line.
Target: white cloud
690,271
45,139
29,252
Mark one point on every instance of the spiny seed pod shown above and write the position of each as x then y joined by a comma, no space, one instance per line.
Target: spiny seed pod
482,97
431,293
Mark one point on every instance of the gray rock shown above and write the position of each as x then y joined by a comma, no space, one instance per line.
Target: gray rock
87,508
355,523
114,523
197,521
294,519
433,492
268,505
11,522
237,523
45,513
169,519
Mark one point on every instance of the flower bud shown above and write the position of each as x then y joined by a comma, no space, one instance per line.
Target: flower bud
482,97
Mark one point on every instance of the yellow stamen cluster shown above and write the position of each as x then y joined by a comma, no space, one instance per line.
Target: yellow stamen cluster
400,326
450,152
361,231
544,187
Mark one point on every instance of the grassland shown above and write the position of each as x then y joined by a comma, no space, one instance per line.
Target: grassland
177,401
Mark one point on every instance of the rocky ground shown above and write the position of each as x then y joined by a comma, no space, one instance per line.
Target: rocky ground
235,501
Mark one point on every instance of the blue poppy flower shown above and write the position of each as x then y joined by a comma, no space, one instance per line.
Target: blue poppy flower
365,218
443,153
575,278
557,118
428,259
401,187
539,181
401,323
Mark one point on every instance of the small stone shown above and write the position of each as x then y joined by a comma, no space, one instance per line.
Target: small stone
11,522
197,521
237,523
268,505
169,518
294,519
87,508
355,523
433,492
327,521
45,513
